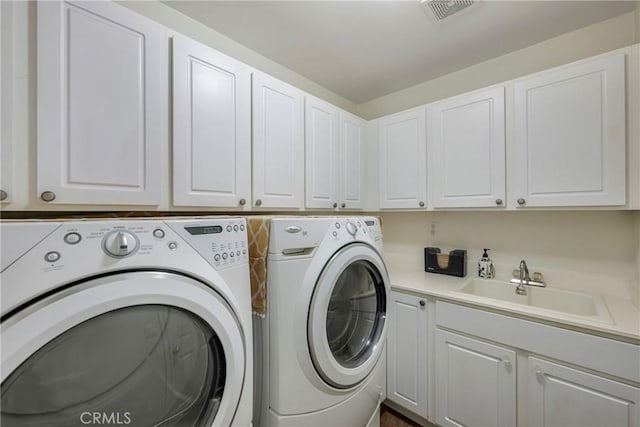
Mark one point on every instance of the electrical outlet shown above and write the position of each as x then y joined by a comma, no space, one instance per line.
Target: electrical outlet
433,228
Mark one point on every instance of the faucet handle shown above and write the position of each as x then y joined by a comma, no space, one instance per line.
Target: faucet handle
515,273
538,277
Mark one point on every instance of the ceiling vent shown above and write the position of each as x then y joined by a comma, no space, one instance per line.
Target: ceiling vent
444,8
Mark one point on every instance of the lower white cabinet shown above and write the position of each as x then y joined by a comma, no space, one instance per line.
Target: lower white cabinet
407,353
563,396
475,382
455,365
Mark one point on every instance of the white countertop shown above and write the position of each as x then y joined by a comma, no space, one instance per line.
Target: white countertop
625,315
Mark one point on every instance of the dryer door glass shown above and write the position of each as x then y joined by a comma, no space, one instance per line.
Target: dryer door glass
140,365
356,313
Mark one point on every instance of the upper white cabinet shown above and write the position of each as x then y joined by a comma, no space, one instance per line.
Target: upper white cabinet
278,143
403,160
563,396
6,102
570,135
211,127
407,357
352,161
466,150
102,95
321,154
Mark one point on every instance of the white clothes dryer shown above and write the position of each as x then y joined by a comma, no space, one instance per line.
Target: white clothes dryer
131,322
323,339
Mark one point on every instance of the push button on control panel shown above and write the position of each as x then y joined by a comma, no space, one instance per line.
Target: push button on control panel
52,256
158,233
72,238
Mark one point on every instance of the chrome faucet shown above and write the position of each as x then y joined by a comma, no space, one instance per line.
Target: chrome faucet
524,278
521,278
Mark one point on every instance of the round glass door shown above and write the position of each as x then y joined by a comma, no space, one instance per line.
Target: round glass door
356,312
133,348
347,319
146,365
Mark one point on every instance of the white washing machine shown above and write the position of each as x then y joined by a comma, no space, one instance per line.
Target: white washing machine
322,352
129,322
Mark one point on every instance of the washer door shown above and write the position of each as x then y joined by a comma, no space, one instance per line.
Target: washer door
347,319
133,348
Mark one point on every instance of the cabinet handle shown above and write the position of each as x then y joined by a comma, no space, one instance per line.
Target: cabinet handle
48,196
3,195
539,373
422,303
258,202
507,362
499,202
335,205
421,204
343,205
521,201
242,202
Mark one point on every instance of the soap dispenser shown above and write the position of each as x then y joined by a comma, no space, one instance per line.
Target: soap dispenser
485,266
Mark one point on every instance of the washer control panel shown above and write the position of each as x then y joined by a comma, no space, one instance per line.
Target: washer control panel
222,242
351,227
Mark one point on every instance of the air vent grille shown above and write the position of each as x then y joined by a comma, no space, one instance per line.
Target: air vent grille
445,8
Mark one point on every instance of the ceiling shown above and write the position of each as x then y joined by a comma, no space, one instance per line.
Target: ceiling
362,50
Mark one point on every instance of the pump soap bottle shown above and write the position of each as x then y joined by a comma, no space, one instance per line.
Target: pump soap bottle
485,266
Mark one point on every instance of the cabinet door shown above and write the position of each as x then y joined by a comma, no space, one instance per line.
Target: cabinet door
561,396
211,127
407,353
475,382
102,95
570,135
6,102
466,151
278,144
352,155
321,154
403,160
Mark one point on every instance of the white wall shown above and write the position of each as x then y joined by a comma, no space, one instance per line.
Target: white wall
594,251
181,23
621,31
635,290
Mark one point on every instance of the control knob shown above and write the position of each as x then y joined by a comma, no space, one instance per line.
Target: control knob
351,228
120,244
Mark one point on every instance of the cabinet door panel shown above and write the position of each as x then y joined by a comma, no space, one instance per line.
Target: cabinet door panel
475,382
570,135
278,143
466,150
6,102
212,127
100,101
402,151
321,143
562,396
352,146
407,353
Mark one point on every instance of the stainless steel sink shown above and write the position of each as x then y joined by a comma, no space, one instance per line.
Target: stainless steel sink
572,303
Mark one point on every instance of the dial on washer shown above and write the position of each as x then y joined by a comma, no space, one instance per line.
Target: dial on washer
120,244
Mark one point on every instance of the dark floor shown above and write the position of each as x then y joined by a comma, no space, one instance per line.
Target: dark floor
391,418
